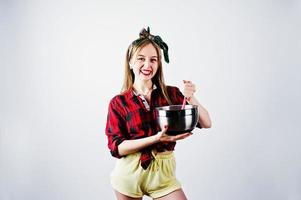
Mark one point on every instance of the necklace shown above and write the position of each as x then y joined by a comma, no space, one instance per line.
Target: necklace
148,92
145,94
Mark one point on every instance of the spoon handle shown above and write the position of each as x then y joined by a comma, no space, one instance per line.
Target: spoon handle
184,103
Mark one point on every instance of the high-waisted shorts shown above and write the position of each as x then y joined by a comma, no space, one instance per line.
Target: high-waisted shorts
130,179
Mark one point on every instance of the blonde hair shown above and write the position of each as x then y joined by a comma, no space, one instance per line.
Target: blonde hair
129,76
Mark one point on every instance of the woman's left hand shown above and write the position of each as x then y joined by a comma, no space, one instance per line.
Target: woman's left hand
189,89
162,136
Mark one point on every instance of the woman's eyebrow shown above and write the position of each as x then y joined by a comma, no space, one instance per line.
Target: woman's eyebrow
145,56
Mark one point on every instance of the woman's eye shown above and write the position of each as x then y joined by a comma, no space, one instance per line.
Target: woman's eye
141,59
154,60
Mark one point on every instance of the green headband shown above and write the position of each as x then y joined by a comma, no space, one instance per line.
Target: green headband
145,34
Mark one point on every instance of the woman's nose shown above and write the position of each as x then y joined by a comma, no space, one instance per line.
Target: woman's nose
147,63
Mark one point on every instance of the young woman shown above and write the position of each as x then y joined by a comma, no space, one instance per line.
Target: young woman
146,164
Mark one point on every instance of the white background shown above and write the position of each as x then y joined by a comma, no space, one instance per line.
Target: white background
62,61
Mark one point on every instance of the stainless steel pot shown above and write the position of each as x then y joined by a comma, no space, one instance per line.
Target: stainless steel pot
178,120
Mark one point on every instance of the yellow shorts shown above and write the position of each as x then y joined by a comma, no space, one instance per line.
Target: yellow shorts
130,179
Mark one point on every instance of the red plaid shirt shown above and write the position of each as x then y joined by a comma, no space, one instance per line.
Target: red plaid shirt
129,119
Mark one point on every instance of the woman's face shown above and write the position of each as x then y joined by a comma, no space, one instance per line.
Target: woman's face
145,63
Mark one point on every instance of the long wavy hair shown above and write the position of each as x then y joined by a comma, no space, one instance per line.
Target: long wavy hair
129,76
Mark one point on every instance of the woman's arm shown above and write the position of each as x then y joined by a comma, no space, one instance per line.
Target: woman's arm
132,146
204,118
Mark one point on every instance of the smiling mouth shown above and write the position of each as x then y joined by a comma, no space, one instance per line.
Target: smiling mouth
146,72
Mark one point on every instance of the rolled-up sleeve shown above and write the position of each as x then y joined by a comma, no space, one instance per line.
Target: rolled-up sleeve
115,128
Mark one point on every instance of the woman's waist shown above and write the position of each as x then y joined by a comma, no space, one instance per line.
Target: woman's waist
162,151
164,146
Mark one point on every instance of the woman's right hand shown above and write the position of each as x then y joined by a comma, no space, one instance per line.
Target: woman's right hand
163,137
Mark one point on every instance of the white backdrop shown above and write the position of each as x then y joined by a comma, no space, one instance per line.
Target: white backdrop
62,61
